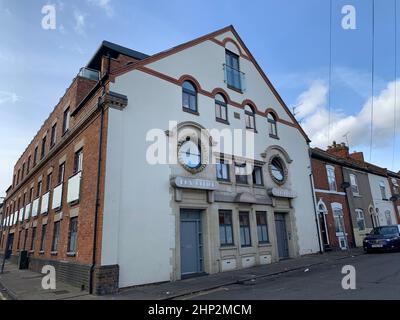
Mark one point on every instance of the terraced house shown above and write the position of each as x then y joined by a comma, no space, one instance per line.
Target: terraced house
353,196
86,199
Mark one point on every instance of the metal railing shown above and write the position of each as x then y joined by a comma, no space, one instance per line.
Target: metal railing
89,74
234,78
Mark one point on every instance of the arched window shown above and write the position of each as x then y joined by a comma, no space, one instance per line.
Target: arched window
272,130
221,108
249,117
189,96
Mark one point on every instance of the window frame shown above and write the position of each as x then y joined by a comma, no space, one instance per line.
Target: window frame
53,135
49,178
78,161
221,162
382,188
66,120
230,57
43,238
331,173
33,239
56,236
272,125
246,176
190,93
260,168
354,184
70,232
39,189
61,173
250,115
43,147
360,217
224,227
261,225
35,154
245,242
221,105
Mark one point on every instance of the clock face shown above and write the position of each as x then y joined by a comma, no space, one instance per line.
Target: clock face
277,170
190,155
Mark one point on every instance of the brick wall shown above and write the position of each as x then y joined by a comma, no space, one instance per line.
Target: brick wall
321,182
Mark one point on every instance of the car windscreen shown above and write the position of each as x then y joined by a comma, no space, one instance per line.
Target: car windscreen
386,231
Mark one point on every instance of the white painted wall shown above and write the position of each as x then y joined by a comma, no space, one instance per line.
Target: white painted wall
138,231
382,205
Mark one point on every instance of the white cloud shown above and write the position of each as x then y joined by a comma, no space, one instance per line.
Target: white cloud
312,99
314,107
8,97
104,5
80,23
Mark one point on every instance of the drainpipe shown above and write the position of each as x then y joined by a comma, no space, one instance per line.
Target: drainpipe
315,204
351,213
316,213
100,105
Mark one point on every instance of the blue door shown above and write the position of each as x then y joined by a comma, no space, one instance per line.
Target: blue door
191,242
281,236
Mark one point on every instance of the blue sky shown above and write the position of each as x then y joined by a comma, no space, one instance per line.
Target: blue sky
289,39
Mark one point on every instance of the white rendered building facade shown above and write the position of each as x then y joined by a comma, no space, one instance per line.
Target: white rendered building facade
163,222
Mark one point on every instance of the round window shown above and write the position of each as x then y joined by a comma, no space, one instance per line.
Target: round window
190,154
278,170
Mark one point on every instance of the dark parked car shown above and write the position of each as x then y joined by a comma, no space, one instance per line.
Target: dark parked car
385,238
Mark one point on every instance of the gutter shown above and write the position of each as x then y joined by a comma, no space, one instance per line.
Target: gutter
97,204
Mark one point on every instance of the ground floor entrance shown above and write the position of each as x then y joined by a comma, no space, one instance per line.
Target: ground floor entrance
191,242
281,235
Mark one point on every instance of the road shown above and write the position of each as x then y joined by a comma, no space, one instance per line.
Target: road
377,277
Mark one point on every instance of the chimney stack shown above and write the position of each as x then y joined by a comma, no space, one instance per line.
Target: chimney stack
339,150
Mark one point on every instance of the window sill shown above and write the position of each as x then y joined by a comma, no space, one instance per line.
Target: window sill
73,203
273,136
65,132
235,89
243,185
71,254
227,182
41,252
252,129
53,253
196,113
357,195
264,244
222,121
31,251
259,186
228,247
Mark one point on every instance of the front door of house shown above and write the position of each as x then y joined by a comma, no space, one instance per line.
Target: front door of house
191,242
324,232
9,247
281,236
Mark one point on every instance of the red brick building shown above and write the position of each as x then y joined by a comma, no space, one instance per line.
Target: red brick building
331,201
53,209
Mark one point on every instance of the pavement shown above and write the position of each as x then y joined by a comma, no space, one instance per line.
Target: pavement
18,284
26,285
376,277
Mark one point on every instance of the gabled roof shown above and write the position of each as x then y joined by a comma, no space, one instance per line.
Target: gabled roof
113,49
206,37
